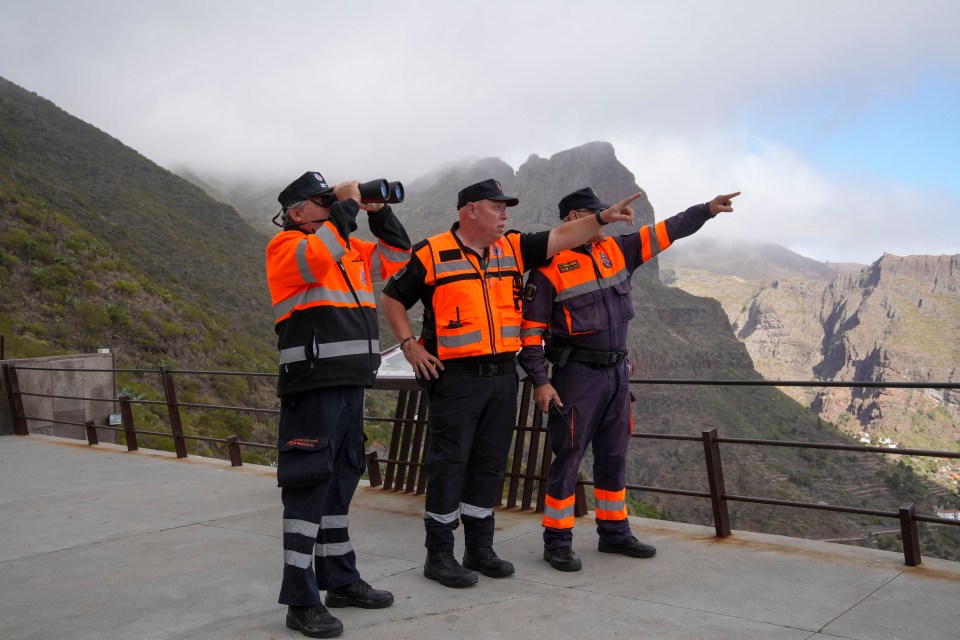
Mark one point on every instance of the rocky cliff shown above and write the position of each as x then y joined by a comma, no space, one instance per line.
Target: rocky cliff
897,320
681,336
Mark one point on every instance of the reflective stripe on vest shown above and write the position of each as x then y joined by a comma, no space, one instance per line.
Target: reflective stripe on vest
315,295
329,240
330,350
382,254
461,340
593,285
653,240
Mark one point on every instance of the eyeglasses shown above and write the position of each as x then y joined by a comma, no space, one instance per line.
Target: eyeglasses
326,201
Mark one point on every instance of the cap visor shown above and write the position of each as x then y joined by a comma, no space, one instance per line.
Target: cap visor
511,202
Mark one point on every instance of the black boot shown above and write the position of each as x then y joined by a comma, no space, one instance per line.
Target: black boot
562,559
629,547
358,594
486,561
313,622
444,568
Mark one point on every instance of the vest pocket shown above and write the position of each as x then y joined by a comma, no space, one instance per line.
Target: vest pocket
624,300
583,312
461,330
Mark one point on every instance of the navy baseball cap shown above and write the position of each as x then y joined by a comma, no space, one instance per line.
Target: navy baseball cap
580,199
309,184
486,190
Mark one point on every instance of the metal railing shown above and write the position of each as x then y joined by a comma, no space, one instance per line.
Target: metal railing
524,481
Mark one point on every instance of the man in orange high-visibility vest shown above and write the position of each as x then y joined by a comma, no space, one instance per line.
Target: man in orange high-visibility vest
580,306
469,280
321,284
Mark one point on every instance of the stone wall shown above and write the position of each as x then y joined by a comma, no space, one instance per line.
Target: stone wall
76,376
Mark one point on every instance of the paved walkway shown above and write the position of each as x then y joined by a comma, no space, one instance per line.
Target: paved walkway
99,543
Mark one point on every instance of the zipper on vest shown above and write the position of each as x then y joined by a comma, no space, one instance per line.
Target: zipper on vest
356,299
486,303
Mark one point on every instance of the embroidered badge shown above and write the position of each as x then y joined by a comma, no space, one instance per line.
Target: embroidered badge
497,252
530,292
363,275
605,260
303,443
568,266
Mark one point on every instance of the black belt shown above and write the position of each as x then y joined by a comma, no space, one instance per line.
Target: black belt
600,359
486,369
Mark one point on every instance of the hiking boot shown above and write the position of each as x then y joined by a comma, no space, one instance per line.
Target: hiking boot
629,547
359,594
562,559
314,621
485,561
444,568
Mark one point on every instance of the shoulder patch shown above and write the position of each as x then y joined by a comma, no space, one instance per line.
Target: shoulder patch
568,266
530,292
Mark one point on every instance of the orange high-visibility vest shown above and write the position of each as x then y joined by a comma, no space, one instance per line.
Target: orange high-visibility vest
324,306
476,307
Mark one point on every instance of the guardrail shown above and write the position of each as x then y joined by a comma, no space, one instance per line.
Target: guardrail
524,480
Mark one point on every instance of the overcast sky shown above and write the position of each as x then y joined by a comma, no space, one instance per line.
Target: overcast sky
837,119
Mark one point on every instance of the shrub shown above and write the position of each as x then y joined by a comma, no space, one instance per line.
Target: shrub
126,286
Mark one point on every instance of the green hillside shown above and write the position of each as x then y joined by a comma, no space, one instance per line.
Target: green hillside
101,247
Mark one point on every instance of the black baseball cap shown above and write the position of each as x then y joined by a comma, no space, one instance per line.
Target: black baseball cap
309,184
486,190
580,199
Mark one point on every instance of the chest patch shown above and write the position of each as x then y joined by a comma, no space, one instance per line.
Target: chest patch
605,260
568,266
450,254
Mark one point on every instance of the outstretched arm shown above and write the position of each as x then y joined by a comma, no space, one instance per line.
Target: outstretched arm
575,233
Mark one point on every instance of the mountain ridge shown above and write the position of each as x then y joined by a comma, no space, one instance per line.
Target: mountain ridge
97,234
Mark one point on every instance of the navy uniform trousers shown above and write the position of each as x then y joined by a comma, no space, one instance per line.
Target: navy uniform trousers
596,411
470,425
318,468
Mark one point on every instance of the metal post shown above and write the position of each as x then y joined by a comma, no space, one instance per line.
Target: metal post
92,438
233,445
908,532
170,393
718,500
126,416
373,469
17,414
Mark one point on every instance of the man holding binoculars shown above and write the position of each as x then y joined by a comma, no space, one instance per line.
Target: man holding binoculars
321,286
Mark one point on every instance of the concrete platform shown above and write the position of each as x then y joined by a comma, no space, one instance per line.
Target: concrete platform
96,542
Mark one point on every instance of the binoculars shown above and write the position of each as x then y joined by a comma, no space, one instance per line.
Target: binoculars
381,191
